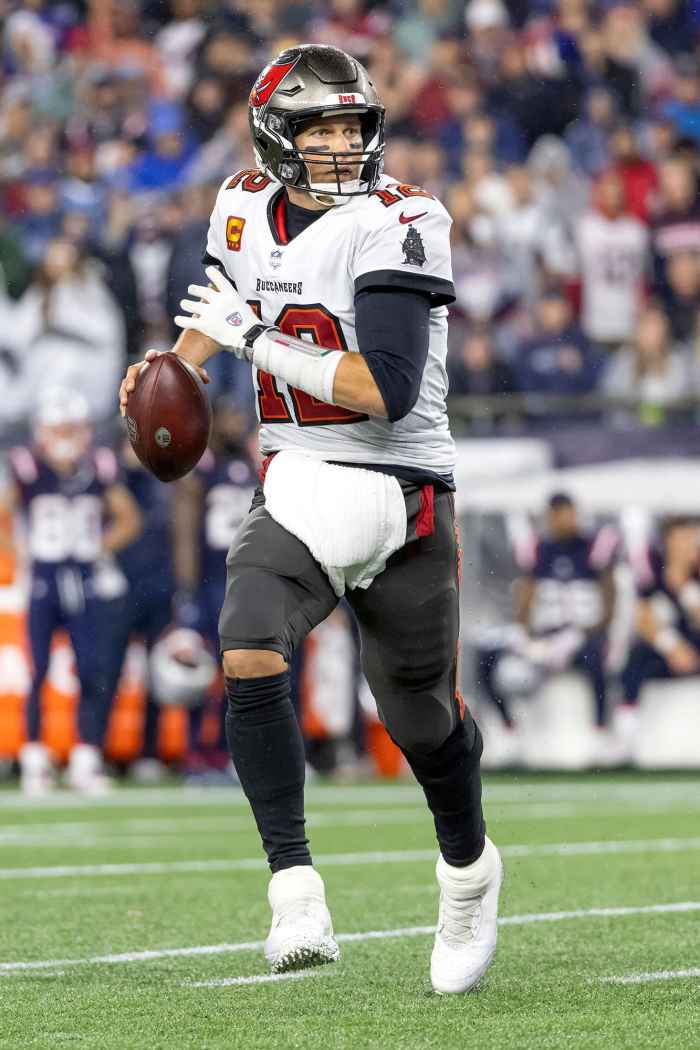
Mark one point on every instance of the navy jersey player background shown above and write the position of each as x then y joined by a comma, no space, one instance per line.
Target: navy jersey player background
564,599
668,610
64,521
210,505
146,608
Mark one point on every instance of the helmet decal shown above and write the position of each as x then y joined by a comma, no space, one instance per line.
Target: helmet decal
268,82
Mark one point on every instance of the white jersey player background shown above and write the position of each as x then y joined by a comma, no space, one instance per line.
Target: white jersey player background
398,235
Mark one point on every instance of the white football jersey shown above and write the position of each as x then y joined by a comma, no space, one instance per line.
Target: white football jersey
396,236
613,256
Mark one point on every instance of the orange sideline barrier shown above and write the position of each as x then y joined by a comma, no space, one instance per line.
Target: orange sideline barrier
60,694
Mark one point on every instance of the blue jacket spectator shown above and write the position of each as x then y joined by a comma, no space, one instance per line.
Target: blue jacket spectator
558,359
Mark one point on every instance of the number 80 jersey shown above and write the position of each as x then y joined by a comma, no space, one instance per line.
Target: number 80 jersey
395,237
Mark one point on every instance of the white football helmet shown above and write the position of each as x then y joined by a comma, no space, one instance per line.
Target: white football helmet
181,668
61,425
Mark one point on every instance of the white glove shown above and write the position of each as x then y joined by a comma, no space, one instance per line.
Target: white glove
225,317
221,314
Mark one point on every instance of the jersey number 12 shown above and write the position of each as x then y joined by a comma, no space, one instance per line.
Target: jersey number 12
316,323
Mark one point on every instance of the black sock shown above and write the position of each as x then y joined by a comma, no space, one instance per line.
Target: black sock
268,752
451,780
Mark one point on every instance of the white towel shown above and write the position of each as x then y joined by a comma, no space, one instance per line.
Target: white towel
350,519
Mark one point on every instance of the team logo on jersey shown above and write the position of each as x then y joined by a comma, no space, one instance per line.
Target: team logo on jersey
234,232
413,248
275,258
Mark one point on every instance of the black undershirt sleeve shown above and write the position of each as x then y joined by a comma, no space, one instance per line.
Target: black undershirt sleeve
392,328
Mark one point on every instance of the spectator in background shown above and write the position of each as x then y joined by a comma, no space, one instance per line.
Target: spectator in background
40,219
15,127
483,286
532,240
558,359
677,224
171,148
668,615
474,370
683,109
177,42
682,295
421,25
651,370
14,268
671,24
68,330
116,40
612,248
562,193
639,177
82,189
587,136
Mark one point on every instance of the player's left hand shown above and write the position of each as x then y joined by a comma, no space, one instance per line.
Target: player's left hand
219,312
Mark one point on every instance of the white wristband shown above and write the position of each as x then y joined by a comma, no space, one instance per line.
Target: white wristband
303,365
666,639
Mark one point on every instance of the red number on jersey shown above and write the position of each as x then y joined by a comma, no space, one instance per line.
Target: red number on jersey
389,197
273,407
324,330
252,181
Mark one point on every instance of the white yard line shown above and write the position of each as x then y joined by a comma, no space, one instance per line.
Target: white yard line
260,978
365,935
136,833
521,791
562,849
658,975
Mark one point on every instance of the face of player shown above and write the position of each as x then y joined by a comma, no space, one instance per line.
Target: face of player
563,521
63,444
335,134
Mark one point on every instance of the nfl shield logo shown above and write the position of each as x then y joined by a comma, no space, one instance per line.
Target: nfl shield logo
275,259
235,319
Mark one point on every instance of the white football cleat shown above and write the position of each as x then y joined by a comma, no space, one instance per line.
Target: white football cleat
36,771
301,934
466,934
85,772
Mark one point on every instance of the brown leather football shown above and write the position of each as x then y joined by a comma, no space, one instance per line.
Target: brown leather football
168,417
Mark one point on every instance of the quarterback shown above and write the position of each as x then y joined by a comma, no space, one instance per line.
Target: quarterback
332,279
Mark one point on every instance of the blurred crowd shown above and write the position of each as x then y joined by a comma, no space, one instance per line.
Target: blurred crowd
563,136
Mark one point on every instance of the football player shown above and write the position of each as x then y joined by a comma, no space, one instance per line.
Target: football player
77,515
565,599
146,608
212,502
333,280
668,613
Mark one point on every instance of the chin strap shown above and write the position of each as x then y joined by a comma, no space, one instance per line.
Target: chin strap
301,364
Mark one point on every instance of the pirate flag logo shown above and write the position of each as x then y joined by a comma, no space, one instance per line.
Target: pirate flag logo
413,248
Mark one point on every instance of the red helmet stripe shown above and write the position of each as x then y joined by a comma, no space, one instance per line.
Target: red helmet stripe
268,82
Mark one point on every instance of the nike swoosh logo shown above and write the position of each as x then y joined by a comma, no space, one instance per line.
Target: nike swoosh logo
411,218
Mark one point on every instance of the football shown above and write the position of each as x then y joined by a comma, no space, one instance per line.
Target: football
168,417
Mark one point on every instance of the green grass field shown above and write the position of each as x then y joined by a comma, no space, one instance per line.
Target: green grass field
136,922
